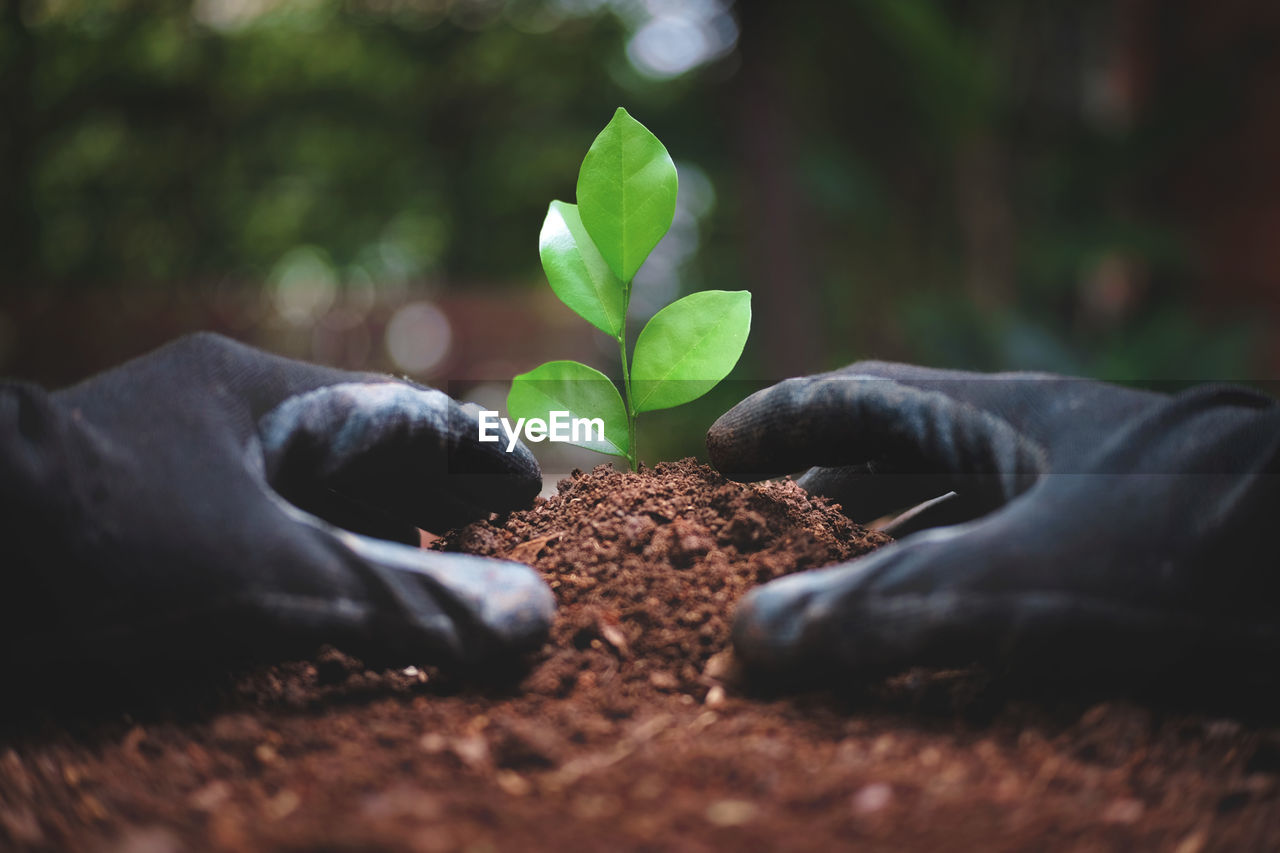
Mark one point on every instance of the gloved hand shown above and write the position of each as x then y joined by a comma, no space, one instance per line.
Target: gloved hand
1107,528
167,509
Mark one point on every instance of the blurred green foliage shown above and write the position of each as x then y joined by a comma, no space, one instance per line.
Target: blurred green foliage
162,149
946,181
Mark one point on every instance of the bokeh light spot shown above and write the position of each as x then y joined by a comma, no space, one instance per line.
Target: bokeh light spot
670,39
303,285
418,337
667,46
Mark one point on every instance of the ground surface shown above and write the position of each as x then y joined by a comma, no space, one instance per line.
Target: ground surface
624,733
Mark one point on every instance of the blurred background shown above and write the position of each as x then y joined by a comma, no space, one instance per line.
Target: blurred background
1086,187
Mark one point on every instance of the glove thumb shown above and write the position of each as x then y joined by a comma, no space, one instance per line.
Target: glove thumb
393,604
1009,589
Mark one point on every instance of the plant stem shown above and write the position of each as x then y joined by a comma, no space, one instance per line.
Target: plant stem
626,379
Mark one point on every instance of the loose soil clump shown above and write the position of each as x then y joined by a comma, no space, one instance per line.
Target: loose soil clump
627,733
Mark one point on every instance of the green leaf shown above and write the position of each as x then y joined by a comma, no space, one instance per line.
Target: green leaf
688,347
626,193
582,391
577,272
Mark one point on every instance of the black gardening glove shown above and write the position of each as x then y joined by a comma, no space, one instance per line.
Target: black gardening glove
167,509
1106,527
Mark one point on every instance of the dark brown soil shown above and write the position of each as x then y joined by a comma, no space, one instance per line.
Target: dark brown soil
627,731
647,567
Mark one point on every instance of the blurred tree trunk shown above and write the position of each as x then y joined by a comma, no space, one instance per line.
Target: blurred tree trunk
18,224
1207,76
986,220
789,331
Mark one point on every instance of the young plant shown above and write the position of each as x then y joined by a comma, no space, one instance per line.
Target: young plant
591,252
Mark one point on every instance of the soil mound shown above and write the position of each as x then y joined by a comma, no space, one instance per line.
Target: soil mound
647,566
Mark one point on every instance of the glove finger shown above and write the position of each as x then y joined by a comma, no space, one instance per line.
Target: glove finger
385,457
837,420
472,611
983,592
834,621
394,605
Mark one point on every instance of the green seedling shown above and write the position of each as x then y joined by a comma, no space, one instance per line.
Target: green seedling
591,252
